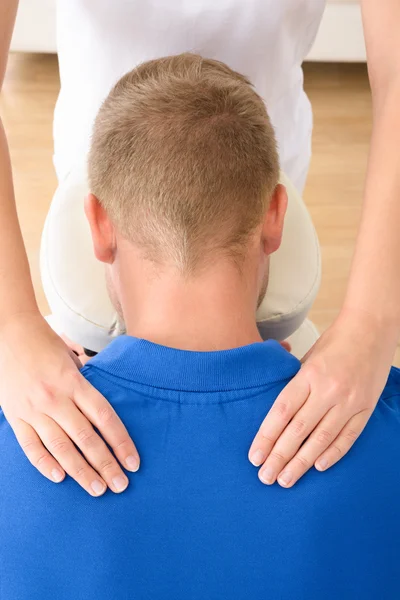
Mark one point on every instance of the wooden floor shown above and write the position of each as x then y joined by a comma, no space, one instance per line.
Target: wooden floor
342,115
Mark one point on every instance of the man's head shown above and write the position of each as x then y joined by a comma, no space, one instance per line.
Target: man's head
184,169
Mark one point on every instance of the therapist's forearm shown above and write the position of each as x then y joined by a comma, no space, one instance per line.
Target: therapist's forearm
374,285
16,289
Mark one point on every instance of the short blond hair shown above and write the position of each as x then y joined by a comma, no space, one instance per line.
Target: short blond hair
184,159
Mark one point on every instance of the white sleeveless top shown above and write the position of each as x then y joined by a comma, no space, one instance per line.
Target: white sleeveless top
267,40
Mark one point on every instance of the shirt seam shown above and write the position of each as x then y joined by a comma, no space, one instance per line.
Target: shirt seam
125,384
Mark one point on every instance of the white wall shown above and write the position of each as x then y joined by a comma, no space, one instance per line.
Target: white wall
35,29
340,38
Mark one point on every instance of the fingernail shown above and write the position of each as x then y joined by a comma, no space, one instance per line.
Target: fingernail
257,458
57,475
267,475
132,463
285,478
98,487
120,483
322,464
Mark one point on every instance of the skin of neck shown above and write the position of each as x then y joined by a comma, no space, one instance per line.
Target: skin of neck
212,310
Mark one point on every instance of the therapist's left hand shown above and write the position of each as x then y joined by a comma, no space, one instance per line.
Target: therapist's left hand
320,414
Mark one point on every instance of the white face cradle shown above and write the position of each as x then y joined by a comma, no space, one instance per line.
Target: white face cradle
74,282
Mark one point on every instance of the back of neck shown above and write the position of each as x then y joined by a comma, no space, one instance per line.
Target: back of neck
215,311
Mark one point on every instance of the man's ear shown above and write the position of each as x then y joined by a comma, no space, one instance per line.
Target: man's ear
103,235
274,220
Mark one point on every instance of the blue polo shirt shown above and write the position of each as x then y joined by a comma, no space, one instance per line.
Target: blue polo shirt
195,522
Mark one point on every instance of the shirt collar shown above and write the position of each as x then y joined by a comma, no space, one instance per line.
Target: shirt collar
144,362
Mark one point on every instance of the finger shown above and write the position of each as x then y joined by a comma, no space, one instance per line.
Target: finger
320,439
62,448
36,453
77,359
344,441
77,348
84,358
285,344
100,412
289,442
92,446
287,404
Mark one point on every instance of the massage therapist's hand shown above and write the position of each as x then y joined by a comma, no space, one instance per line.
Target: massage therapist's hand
53,410
323,410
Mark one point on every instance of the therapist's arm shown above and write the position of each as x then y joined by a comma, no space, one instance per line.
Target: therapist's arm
45,399
374,285
334,394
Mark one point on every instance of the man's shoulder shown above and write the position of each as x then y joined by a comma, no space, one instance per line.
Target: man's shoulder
389,401
392,387
112,387
388,406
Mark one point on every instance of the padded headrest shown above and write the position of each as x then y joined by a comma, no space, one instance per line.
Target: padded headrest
74,282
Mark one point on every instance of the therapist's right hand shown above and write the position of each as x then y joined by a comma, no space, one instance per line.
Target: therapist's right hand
53,410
